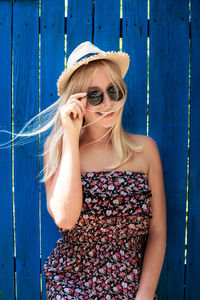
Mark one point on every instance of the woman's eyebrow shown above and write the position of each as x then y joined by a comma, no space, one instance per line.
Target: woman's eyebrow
98,88
94,88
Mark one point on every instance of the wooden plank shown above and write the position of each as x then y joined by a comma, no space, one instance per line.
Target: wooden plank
135,44
26,161
79,23
6,208
107,24
193,245
52,64
169,73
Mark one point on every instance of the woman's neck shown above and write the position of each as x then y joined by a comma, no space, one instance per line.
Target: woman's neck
100,136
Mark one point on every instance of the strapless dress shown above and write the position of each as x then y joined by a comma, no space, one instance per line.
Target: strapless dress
101,257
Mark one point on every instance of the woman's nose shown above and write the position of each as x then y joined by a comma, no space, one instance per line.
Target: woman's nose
106,99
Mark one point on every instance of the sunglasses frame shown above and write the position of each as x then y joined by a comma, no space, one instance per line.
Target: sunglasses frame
92,100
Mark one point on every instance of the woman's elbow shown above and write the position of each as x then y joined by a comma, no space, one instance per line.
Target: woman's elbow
63,219
64,222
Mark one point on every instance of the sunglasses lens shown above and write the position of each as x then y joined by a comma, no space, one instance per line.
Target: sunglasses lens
95,97
115,93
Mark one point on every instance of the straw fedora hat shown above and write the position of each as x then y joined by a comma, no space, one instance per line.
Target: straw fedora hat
85,53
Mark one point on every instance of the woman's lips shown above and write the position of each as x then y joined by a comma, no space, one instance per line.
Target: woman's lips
105,115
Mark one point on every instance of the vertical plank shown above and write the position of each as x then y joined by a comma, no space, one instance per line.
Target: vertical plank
169,73
107,24
26,162
6,209
135,44
193,245
79,23
52,64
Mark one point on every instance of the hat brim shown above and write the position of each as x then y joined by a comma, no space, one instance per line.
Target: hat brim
122,59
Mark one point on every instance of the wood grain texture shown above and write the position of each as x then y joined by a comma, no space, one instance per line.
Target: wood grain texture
79,23
168,121
193,245
99,21
52,64
107,24
26,161
135,44
6,207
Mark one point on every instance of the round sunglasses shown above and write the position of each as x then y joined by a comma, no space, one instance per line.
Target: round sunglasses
95,97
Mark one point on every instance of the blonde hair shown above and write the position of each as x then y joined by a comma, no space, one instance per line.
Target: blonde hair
119,139
50,119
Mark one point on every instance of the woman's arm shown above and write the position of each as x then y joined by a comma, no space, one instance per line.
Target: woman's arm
156,243
64,188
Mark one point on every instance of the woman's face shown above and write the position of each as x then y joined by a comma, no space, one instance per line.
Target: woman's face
101,81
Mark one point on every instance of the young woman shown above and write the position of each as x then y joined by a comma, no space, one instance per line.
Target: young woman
104,188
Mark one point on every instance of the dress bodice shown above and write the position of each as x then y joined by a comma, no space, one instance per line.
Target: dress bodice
115,198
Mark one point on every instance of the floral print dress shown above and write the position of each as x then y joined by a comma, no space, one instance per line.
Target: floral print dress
101,257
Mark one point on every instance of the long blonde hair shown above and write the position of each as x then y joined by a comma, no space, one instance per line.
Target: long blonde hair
119,139
49,119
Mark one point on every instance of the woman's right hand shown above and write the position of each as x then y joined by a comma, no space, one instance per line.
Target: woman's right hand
72,112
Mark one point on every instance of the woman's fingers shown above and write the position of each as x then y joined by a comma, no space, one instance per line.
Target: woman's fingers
83,101
77,112
78,96
75,107
77,102
71,113
71,108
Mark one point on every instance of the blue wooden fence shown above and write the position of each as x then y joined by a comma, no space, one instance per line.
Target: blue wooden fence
163,39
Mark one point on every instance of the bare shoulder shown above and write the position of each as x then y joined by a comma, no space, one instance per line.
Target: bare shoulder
145,142
142,140
149,149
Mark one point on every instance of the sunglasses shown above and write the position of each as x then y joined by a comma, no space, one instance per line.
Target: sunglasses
95,97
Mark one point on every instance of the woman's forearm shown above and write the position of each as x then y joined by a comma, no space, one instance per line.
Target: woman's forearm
152,265
66,201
